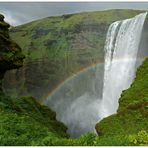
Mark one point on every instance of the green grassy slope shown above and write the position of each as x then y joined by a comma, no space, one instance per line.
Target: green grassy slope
57,47
23,121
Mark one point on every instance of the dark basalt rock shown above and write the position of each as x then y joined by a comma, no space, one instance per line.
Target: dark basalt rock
11,56
1,17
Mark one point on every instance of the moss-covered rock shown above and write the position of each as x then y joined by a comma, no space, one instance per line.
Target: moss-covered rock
10,53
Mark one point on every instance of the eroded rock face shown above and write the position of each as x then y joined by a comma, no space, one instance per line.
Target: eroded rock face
11,56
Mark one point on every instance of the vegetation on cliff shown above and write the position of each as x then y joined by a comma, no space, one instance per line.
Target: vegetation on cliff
57,47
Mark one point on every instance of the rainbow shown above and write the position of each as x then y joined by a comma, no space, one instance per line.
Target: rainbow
69,78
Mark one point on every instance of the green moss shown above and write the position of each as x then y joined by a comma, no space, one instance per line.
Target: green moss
139,89
141,138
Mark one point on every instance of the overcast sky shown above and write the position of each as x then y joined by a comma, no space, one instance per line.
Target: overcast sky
18,13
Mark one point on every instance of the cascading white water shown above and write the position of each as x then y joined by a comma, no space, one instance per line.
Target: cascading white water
121,50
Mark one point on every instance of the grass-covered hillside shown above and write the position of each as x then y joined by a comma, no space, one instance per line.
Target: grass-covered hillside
57,47
23,121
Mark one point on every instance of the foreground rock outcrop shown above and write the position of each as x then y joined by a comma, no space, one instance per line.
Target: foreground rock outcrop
22,120
10,53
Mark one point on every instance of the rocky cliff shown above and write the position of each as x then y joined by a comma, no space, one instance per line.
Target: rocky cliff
57,47
22,120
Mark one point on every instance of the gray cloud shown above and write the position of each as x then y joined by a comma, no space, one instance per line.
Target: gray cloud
17,13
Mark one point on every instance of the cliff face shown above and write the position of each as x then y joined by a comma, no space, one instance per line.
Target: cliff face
10,53
57,47
22,120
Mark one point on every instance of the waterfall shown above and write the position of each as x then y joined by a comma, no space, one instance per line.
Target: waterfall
121,48
92,94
